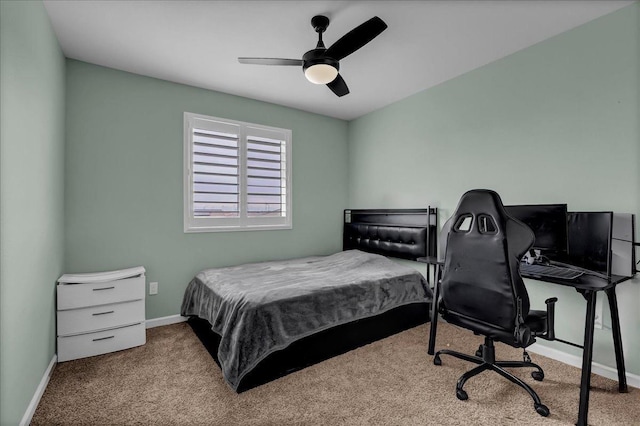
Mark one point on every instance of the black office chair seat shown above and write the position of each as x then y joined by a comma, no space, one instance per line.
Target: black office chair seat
481,289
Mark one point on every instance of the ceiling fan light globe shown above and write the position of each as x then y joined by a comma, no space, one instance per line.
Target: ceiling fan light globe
321,73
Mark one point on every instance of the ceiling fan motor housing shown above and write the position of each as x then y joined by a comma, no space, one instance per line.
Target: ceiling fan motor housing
318,68
316,57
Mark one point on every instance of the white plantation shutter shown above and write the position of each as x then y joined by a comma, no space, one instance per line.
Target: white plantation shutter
215,174
237,175
266,174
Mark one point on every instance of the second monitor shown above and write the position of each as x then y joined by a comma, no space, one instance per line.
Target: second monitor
589,245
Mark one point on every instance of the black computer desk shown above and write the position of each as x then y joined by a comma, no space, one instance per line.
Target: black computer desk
588,286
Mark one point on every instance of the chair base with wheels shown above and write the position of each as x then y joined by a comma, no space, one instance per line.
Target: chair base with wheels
487,361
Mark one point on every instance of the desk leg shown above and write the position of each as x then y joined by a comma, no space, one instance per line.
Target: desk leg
434,313
617,339
587,355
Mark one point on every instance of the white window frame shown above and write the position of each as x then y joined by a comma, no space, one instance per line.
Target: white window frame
243,222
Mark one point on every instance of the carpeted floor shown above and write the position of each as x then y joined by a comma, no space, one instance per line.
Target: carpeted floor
172,380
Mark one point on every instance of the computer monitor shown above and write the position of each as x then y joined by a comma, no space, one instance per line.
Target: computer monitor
590,240
549,225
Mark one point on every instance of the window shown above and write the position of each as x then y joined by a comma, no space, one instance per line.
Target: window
237,176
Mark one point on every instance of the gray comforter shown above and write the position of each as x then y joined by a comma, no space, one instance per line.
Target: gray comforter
260,308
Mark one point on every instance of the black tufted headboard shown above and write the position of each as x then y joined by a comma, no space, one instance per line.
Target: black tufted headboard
403,233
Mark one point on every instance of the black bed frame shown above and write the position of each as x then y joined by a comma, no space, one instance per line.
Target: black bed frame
403,233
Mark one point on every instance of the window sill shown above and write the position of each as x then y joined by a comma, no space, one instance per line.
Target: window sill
197,230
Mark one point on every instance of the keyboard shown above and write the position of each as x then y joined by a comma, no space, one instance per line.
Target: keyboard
548,271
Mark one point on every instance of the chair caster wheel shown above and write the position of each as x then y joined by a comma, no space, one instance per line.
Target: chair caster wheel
462,396
537,375
437,360
541,409
479,353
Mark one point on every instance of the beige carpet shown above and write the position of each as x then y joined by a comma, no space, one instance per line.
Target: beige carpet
172,380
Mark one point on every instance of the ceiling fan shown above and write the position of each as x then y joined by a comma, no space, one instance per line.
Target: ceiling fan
321,65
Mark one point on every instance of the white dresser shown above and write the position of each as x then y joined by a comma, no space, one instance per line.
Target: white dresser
100,312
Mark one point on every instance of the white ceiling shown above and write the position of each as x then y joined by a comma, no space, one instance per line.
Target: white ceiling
197,42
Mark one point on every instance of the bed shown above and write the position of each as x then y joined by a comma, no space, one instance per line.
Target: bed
263,320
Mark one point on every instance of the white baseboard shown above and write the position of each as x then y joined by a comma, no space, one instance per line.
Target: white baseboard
576,361
159,322
31,408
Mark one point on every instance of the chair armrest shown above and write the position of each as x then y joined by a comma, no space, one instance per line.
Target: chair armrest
551,308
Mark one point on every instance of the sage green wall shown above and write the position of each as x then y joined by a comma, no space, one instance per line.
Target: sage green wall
32,82
555,123
124,182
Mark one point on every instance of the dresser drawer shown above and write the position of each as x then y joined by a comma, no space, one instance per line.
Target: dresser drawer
72,296
82,320
90,344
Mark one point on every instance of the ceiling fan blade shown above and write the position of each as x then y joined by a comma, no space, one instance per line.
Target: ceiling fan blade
338,86
270,61
356,38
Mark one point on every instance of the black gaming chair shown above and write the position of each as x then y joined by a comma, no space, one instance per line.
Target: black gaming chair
481,288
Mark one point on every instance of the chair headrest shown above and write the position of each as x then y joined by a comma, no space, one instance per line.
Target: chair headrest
488,215
479,202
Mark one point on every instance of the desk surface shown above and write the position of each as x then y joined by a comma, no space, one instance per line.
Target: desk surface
584,282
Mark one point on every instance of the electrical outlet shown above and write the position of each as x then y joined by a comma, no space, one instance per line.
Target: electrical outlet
599,308
153,288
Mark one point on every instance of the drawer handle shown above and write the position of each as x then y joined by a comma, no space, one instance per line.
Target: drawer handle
102,313
103,288
103,338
